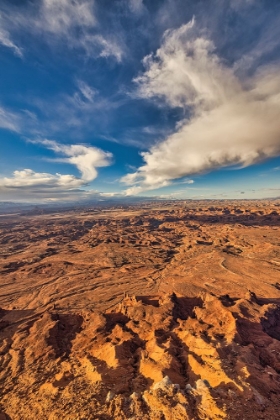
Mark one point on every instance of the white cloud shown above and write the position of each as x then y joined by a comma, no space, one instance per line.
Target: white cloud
29,185
61,16
9,120
230,122
71,22
110,194
185,72
7,42
100,46
27,178
87,92
85,158
136,6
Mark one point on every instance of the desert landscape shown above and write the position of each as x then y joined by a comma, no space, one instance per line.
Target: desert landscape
139,210
165,310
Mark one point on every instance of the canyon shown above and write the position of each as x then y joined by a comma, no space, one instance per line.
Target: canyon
162,310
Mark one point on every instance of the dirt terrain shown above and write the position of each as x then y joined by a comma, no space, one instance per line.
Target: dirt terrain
167,311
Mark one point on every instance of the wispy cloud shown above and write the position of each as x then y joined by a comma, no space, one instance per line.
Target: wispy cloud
229,121
62,16
9,120
72,23
98,45
77,112
187,181
6,41
136,6
88,92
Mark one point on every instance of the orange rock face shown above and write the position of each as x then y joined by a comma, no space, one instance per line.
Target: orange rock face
169,311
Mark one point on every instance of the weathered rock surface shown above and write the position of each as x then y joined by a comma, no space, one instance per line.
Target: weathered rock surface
168,312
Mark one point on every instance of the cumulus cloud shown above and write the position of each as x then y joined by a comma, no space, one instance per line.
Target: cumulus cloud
27,178
28,184
185,72
85,158
71,22
228,121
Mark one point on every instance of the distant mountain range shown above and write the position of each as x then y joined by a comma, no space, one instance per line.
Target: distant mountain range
10,207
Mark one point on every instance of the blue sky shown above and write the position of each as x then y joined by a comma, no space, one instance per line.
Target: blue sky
167,98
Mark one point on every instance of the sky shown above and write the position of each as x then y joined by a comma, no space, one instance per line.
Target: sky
157,98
